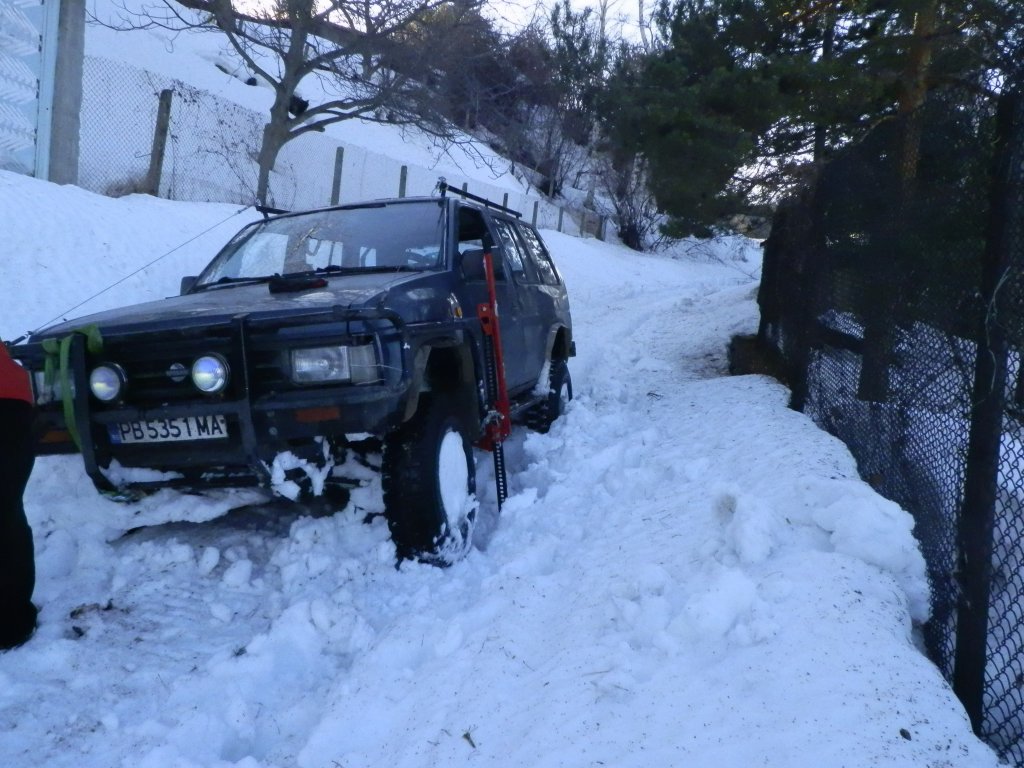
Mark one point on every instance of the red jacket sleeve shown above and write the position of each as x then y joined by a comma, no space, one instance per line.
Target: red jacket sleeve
14,384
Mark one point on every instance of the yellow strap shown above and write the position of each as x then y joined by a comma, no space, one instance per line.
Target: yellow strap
58,366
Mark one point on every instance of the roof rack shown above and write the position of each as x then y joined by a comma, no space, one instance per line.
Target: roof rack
443,187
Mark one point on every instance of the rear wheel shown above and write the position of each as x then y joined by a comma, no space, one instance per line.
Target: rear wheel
544,414
429,482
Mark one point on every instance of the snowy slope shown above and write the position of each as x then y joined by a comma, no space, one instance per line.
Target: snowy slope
686,573
205,60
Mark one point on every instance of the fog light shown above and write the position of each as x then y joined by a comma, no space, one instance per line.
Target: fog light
210,373
106,382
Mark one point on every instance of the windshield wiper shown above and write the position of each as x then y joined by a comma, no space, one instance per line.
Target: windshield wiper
226,281
337,269
380,268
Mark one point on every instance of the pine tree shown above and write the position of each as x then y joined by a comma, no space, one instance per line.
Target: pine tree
743,99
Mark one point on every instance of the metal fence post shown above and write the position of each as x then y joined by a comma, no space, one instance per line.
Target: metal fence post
536,208
339,159
561,214
156,157
403,177
504,201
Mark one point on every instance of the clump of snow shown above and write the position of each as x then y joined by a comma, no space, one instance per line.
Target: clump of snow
121,476
315,473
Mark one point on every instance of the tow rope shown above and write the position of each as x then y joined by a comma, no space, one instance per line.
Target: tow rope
57,369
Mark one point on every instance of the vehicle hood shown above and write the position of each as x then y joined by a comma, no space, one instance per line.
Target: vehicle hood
222,304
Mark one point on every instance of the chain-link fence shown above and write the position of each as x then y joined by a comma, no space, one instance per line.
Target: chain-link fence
894,292
119,107
205,149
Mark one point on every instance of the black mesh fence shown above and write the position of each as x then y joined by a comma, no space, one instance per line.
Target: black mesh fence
894,292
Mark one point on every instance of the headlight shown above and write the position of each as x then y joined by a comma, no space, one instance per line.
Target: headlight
324,364
210,373
320,364
107,382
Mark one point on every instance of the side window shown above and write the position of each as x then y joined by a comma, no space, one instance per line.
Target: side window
536,249
520,265
471,230
470,244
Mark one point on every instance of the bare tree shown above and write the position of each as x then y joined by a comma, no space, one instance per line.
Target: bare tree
623,181
372,59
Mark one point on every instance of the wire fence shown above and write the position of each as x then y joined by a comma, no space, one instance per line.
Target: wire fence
207,151
895,302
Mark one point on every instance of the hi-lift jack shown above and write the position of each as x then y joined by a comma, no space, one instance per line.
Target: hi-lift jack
498,421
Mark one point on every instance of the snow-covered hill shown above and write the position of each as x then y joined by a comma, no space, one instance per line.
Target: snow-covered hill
216,121
206,61
686,572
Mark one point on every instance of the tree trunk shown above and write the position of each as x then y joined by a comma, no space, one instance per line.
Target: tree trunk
827,45
275,135
881,331
277,131
914,92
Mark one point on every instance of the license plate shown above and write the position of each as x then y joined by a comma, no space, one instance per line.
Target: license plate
170,430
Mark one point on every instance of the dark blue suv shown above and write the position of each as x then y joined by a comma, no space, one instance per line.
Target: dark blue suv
313,338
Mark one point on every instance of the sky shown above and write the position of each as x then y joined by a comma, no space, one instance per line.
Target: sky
686,572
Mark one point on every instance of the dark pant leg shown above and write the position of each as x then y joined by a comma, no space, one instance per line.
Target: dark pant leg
17,558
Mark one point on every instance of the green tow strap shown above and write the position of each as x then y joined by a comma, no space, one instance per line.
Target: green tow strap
58,367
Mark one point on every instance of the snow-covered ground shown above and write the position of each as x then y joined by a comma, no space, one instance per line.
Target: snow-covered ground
686,572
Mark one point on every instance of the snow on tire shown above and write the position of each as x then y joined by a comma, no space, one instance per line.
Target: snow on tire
543,415
429,483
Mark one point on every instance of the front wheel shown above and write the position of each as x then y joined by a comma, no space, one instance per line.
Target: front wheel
429,483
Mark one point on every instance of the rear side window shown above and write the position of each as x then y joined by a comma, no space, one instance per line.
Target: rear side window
535,248
515,251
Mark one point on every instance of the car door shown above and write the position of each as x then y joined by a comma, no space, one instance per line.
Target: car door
527,286
471,230
553,303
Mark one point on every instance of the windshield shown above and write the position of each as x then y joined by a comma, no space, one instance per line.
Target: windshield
391,237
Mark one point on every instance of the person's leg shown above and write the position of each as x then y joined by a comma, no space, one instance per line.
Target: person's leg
17,558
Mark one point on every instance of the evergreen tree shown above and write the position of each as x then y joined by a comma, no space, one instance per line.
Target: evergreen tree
697,107
742,99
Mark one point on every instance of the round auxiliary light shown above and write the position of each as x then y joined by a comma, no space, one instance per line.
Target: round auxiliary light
106,382
210,373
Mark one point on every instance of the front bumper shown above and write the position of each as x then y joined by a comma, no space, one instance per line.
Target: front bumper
262,419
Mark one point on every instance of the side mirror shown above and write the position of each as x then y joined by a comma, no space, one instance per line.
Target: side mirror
188,283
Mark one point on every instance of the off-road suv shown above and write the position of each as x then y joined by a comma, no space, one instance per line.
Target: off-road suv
312,336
